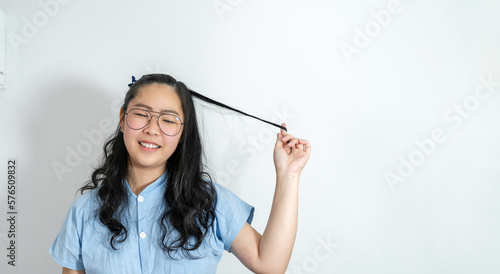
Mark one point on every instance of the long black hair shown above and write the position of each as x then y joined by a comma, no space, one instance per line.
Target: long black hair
190,197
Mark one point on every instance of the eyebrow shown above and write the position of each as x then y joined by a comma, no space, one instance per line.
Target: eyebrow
162,111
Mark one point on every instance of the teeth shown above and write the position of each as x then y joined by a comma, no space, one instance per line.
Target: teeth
148,145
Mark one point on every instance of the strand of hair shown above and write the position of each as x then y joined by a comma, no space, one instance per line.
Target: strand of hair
208,100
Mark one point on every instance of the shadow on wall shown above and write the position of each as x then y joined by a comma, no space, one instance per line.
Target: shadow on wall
71,124
64,130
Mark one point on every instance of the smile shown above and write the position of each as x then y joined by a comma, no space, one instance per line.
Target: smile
148,145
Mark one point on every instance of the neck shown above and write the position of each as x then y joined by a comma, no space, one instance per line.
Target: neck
139,178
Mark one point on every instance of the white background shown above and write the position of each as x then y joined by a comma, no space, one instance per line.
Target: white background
365,111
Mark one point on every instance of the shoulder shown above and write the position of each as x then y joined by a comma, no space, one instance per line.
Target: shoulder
229,203
67,247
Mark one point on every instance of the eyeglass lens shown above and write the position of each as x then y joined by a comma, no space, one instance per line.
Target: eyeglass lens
139,118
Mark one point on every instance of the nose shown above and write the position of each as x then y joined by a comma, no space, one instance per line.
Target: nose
153,126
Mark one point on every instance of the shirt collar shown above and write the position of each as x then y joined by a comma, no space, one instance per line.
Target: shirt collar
161,181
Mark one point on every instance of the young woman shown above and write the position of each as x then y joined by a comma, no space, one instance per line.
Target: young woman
152,209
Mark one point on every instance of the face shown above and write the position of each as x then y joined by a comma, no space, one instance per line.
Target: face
157,98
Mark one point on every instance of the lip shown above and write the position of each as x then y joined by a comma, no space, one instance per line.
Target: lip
147,148
153,143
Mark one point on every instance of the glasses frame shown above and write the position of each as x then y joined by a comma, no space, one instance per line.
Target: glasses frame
157,120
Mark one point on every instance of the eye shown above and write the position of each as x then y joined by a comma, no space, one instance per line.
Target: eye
169,121
141,115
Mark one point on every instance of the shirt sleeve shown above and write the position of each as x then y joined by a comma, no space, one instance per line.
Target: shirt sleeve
231,213
67,247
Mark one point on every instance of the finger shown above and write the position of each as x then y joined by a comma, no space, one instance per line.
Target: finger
307,145
287,138
282,130
281,141
292,142
300,146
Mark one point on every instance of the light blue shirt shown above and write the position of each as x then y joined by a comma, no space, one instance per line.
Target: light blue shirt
83,241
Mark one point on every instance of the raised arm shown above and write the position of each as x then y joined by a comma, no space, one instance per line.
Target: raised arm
271,251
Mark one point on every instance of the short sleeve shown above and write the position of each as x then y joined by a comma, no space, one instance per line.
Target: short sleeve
67,247
231,214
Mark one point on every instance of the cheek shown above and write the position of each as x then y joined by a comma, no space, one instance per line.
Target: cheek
128,137
171,144
171,141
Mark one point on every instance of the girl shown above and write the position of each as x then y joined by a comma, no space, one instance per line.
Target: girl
152,209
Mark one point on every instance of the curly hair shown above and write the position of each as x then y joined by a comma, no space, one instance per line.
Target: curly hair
191,195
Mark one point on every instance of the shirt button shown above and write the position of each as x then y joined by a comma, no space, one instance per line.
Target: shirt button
140,199
142,235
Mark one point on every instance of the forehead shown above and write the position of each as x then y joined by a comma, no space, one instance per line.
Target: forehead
159,98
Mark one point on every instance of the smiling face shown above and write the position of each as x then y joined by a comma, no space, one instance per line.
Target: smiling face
149,148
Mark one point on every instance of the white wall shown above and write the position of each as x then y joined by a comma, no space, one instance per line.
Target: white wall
383,104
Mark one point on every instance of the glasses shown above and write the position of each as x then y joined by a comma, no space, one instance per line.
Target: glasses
138,118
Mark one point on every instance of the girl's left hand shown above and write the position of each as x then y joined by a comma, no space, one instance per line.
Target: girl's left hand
290,154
